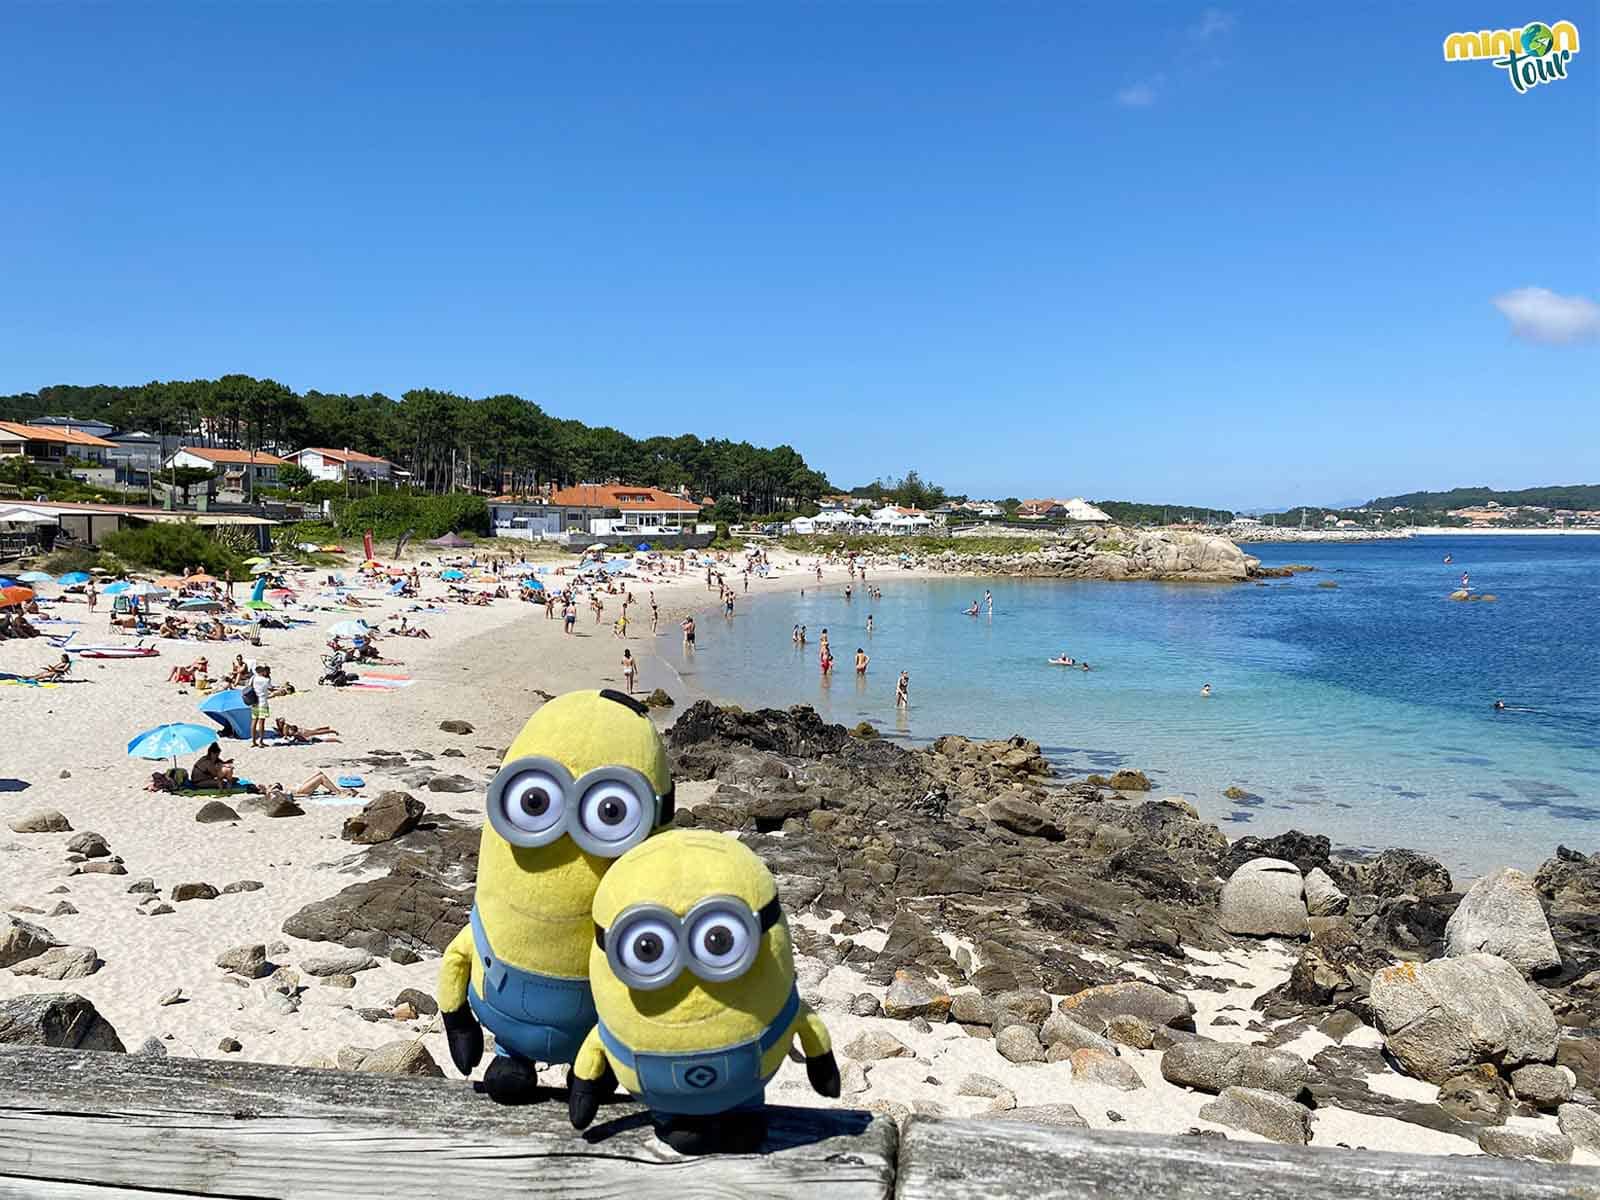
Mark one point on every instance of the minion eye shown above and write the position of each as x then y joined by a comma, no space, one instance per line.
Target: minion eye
650,949
721,940
533,802
612,812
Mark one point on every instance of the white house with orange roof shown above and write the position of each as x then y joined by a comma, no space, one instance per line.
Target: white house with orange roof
337,465
240,471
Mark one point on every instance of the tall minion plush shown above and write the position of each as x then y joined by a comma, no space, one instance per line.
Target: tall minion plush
693,976
584,782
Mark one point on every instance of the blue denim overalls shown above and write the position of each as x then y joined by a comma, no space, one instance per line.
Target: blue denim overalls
711,1081
540,1018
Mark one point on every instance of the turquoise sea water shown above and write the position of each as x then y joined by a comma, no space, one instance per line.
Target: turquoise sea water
1362,711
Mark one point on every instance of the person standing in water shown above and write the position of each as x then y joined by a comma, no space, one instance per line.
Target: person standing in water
1205,690
688,634
988,601
869,624
902,690
862,660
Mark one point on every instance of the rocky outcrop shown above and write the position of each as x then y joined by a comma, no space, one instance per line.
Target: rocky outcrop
62,1019
1215,1066
1439,1018
1264,898
1112,552
1501,915
21,940
1268,1114
383,819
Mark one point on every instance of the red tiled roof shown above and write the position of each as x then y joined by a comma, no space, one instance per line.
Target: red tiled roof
621,496
52,433
347,456
233,457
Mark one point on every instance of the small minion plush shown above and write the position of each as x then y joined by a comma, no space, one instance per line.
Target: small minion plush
585,781
693,976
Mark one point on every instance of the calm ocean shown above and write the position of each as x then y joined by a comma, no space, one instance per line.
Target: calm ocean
1363,711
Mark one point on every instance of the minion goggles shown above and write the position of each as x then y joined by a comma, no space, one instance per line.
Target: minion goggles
648,945
534,801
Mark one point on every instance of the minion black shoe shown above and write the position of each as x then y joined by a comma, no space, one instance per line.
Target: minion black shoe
511,1081
724,1133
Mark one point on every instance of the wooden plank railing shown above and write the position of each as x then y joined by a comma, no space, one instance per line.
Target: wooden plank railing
76,1125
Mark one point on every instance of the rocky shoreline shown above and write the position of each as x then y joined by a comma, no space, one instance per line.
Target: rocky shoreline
1111,552
1067,936
983,939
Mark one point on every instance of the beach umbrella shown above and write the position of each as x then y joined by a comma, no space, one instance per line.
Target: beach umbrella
145,589
171,740
116,588
200,604
349,629
598,546
7,581
280,593
452,573
73,578
256,558
14,595
172,581
262,569
533,585
229,710
202,578
643,546
259,605
36,577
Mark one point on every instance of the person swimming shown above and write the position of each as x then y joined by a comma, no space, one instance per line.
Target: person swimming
1064,660
1500,705
1205,690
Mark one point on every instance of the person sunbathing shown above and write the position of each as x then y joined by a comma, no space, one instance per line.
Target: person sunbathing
299,735
171,627
20,627
320,782
412,631
54,672
211,770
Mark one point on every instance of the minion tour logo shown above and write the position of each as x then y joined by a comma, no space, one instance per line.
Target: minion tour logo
1535,54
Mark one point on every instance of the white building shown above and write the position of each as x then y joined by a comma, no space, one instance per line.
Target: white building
241,471
337,465
894,519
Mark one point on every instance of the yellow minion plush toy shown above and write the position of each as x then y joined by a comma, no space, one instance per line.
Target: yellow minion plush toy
693,976
585,781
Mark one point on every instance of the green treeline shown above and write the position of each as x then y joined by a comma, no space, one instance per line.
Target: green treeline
447,441
1575,495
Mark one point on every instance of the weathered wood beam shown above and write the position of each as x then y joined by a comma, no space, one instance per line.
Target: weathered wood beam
957,1160
76,1124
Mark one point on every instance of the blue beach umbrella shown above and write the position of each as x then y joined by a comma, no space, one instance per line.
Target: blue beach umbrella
171,740
115,589
643,546
36,577
7,582
200,604
229,710
452,573
73,578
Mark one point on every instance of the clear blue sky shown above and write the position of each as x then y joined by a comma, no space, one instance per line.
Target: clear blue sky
1229,255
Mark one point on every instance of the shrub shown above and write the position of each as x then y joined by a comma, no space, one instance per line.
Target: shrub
71,558
164,547
388,515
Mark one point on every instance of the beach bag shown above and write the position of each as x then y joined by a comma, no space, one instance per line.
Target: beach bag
249,697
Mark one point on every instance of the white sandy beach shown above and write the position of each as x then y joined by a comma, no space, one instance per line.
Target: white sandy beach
62,748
